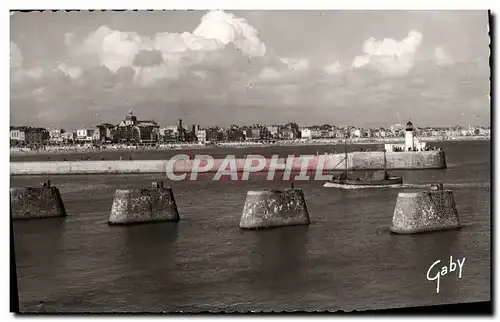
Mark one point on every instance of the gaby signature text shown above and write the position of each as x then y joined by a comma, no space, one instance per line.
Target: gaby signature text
437,270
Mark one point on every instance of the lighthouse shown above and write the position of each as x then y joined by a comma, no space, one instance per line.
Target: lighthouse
409,142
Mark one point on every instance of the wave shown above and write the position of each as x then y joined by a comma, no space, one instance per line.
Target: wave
72,188
450,185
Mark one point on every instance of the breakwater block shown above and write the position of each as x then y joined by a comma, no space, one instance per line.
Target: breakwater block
425,211
153,204
274,208
36,202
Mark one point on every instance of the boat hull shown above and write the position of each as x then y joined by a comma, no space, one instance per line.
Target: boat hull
393,182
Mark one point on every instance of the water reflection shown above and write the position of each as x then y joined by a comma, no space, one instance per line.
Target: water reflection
150,243
282,258
418,252
146,263
36,271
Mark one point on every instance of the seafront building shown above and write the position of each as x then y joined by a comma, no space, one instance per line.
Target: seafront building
201,135
273,130
84,135
253,134
134,131
168,134
131,130
56,136
68,137
234,134
27,135
103,133
306,133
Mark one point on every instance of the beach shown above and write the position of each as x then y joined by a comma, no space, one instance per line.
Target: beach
59,150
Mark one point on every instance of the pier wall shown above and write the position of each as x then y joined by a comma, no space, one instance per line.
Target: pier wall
87,167
356,161
398,160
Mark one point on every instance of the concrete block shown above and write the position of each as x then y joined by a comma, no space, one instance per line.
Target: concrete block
274,208
425,211
36,202
143,205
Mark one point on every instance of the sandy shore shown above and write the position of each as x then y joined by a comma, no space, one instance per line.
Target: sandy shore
194,147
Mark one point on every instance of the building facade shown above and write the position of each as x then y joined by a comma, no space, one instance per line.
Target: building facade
234,134
17,134
130,130
103,133
56,135
85,135
305,133
168,134
68,137
201,135
148,131
29,135
214,134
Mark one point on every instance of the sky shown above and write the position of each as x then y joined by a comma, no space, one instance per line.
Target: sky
364,68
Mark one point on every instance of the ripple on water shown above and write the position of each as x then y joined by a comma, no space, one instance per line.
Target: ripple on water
72,187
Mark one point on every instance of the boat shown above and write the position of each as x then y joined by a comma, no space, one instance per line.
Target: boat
344,182
376,179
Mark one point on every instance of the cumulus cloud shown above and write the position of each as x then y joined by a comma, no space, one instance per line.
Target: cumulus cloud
360,61
146,76
226,28
200,74
165,54
68,38
34,73
72,72
441,57
148,58
38,91
389,56
222,63
283,68
114,49
334,68
296,64
18,72
16,57
269,73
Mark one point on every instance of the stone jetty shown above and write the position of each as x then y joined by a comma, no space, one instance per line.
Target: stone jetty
36,202
274,208
424,211
355,161
134,206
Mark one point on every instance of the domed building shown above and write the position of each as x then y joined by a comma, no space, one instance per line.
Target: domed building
132,130
130,119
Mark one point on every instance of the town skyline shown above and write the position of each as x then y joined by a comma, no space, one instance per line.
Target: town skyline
233,67
175,122
181,123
